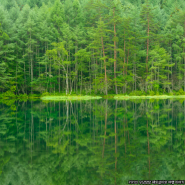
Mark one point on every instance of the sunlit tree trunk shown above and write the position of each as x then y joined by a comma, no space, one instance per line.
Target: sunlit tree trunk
126,67
104,66
147,50
184,57
59,79
31,56
50,72
115,52
124,59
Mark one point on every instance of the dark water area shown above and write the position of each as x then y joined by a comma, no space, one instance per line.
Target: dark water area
97,142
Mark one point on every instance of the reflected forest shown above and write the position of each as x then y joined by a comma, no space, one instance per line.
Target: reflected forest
91,142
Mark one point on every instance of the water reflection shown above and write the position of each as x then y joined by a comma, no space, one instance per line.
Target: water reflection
91,142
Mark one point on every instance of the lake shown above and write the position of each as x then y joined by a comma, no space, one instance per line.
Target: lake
94,142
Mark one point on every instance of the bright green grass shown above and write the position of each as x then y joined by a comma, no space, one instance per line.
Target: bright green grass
70,97
148,97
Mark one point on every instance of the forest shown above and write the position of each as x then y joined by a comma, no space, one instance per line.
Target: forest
134,47
109,75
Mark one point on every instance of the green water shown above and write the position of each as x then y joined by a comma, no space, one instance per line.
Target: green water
95,142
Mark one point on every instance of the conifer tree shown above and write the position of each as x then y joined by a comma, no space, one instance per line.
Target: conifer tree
147,20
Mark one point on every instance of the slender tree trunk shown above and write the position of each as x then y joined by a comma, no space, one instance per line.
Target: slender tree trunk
171,63
148,32
135,72
104,64
133,75
94,68
16,74
127,60
46,64
184,57
59,79
31,64
67,81
124,59
158,79
76,63
50,73
126,68
90,75
168,76
147,51
16,78
24,74
95,73
115,52
67,85
81,82
47,73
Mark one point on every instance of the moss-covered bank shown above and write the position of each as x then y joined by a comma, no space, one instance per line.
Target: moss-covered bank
59,98
122,97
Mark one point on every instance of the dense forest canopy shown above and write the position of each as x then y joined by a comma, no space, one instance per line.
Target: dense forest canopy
92,46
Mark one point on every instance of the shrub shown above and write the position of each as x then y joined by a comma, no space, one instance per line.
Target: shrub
8,94
171,93
157,93
45,94
152,93
33,96
181,92
23,96
136,93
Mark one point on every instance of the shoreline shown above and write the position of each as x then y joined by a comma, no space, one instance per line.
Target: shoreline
88,97
149,97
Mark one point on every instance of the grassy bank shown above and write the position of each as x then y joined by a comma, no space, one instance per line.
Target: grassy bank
11,94
59,98
122,97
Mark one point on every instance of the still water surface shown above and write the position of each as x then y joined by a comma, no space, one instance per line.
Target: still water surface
99,142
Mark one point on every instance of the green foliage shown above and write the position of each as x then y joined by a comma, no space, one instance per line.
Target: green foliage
151,93
23,97
10,93
46,94
13,88
71,46
170,93
180,92
99,85
33,97
137,93
157,93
